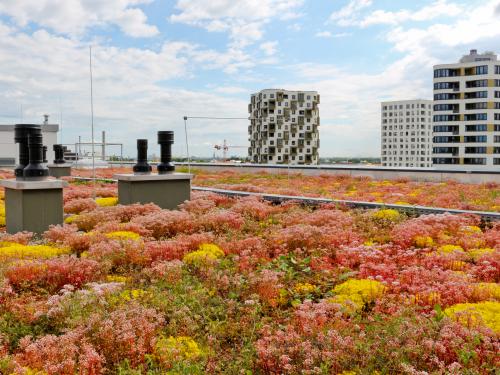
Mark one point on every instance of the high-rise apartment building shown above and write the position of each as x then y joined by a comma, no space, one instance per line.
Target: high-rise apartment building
466,121
407,133
284,127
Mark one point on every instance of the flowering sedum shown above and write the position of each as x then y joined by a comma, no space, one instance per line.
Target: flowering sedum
423,241
449,249
18,251
475,314
107,202
71,219
354,294
387,214
206,253
168,350
476,254
304,288
487,290
123,235
131,294
117,279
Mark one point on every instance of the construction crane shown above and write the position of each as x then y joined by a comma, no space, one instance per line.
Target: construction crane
225,148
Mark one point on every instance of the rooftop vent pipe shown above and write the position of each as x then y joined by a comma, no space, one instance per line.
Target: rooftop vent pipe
44,154
142,166
59,154
21,133
165,140
35,170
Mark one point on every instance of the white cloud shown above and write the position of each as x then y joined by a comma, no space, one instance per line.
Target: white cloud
346,15
132,96
244,20
438,9
323,34
269,48
351,15
328,34
74,17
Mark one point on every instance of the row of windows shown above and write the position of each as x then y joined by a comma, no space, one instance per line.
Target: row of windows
446,85
413,105
441,118
467,161
445,107
471,117
445,128
445,150
445,72
476,128
408,113
448,96
285,96
390,127
477,83
468,128
476,117
468,84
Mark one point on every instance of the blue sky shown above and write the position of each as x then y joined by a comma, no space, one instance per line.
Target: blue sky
156,61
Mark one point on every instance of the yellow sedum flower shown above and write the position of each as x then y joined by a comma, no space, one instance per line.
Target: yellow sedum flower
354,294
117,279
18,251
131,294
30,371
304,288
476,254
107,202
486,290
387,214
71,219
471,229
423,241
474,314
123,235
170,349
206,253
448,249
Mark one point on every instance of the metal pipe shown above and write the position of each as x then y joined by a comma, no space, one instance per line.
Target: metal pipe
59,154
35,170
21,133
142,166
165,140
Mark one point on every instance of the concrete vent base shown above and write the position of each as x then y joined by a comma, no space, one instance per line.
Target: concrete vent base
165,190
33,205
59,170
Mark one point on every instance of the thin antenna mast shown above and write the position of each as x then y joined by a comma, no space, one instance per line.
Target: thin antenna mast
92,120
60,120
187,144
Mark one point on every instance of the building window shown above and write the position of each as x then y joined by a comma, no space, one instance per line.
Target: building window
475,139
497,69
483,69
476,128
475,150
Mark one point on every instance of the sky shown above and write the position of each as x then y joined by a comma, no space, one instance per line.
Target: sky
156,61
